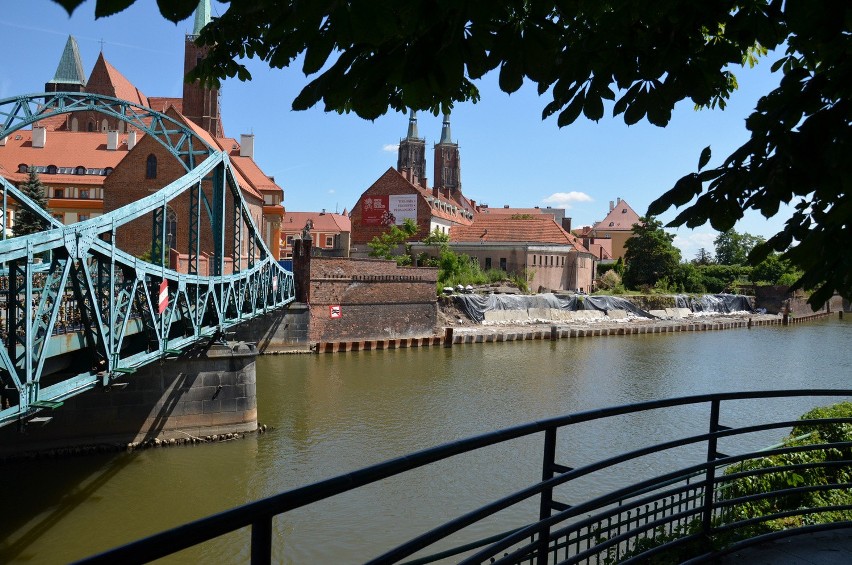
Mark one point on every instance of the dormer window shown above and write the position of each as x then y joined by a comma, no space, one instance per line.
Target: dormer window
624,210
611,224
107,171
80,170
23,168
51,169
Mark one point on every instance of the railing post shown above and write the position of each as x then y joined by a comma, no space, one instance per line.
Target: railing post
261,541
547,463
709,488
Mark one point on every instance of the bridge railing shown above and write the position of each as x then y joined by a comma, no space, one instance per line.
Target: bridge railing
698,504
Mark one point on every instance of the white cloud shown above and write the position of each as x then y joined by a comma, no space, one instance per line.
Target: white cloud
565,199
331,191
690,242
390,148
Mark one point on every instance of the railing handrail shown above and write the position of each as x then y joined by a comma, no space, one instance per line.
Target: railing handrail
259,514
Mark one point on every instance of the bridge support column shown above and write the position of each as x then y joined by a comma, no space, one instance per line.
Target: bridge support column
209,390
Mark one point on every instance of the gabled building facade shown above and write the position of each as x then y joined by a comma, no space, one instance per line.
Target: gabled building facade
93,164
330,232
617,227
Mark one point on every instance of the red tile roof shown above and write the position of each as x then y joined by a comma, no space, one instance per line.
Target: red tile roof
323,222
620,218
510,211
106,80
161,104
501,229
63,149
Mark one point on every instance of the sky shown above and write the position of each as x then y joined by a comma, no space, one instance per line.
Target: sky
509,156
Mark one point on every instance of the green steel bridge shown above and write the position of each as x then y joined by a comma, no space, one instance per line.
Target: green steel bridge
70,289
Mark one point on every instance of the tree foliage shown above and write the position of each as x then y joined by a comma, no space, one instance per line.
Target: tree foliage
649,254
703,257
733,248
25,221
387,245
635,58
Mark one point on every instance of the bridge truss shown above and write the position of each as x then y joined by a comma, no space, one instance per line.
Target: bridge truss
75,280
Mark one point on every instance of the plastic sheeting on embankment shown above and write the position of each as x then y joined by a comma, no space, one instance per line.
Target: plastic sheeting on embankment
475,305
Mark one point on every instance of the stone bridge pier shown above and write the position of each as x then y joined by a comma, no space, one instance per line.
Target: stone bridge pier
205,391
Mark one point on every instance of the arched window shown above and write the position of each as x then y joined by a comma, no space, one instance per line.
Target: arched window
80,170
51,169
91,126
151,167
74,124
23,168
104,125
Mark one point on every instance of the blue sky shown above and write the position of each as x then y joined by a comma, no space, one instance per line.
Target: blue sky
508,154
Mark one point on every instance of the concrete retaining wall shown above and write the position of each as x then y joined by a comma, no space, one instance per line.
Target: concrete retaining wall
204,392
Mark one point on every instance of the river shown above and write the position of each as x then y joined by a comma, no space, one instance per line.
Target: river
334,413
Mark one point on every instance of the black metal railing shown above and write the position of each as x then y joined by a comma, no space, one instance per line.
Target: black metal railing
695,510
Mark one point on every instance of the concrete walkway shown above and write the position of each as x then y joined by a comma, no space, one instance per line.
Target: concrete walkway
820,548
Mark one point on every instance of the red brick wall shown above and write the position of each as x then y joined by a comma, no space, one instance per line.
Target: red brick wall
127,184
377,299
389,183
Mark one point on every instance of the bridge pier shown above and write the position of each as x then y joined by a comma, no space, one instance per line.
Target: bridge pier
207,390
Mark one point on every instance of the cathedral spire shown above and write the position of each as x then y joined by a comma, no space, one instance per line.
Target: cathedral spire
445,130
412,126
69,75
202,16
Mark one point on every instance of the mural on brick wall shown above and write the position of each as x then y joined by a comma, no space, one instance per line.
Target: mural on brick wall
388,210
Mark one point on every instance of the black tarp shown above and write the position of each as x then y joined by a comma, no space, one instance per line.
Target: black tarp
475,305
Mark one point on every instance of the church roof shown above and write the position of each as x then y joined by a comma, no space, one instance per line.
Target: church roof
106,80
202,16
70,69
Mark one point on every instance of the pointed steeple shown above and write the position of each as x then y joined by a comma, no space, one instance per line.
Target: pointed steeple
202,16
69,74
411,156
447,161
445,130
412,125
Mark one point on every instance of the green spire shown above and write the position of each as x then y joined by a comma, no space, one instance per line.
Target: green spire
70,69
202,16
412,125
445,130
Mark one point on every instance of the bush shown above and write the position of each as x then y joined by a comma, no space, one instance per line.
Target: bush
610,280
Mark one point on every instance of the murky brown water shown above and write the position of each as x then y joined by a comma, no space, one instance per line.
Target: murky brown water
335,413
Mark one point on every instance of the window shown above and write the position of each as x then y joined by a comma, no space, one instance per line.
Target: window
329,241
151,167
290,240
108,170
488,262
84,193
82,217
533,260
51,169
58,193
23,168
91,126
80,170
502,263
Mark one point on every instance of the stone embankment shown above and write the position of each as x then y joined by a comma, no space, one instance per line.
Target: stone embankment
540,324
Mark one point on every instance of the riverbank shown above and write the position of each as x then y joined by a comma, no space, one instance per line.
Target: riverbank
459,330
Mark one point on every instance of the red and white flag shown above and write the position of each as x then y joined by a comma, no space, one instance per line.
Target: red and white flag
274,284
164,296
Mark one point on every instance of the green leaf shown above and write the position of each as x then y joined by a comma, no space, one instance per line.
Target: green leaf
634,112
106,8
572,112
69,5
704,158
173,10
593,109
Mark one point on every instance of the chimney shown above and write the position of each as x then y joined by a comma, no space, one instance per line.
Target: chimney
131,139
618,200
473,204
39,136
247,145
611,205
566,224
436,192
112,140
505,205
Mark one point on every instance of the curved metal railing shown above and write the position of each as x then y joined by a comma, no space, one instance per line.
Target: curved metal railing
106,287
694,511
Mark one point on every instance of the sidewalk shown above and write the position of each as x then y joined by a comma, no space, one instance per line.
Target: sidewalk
821,548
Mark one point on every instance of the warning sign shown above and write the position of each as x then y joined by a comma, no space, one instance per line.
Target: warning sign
334,311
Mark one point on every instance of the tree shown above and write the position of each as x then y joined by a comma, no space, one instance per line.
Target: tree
644,56
27,222
386,245
733,248
649,254
703,257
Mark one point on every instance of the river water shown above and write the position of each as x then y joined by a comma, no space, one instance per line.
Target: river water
335,413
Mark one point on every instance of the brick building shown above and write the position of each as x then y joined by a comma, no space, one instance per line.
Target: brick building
617,227
91,163
330,232
404,193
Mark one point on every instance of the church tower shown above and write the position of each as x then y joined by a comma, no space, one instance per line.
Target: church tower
447,162
69,75
200,104
412,153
